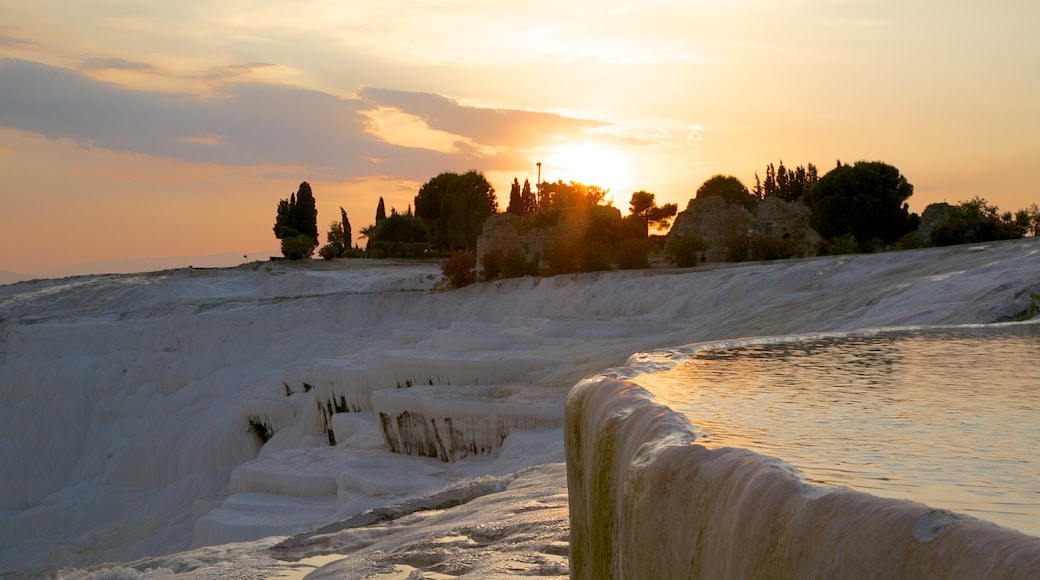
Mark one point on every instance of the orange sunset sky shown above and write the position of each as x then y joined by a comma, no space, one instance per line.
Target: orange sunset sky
132,130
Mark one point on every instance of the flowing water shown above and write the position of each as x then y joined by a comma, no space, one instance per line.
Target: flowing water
946,417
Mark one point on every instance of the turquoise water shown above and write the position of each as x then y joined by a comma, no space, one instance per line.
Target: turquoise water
950,418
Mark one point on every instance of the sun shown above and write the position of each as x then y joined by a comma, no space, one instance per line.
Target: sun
588,163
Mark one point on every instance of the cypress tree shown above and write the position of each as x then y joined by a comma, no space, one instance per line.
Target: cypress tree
348,235
306,212
515,202
380,211
528,202
297,217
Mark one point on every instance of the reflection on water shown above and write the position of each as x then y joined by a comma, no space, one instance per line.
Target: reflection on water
947,418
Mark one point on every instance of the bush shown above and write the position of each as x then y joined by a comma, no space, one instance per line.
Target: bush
563,257
840,245
595,256
773,248
329,251
381,249
509,264
685,250
460,269
298,247
633,254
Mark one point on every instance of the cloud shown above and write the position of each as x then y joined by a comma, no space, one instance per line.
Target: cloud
98,64
486,126
266,124
10,39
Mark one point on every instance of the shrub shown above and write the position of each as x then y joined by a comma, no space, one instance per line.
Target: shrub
685,250
329,251
460,269
595,256
508,264
298,247
773,248
633,254
840,245
563,257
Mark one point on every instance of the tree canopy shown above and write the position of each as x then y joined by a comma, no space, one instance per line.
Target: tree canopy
567,195
728,188
645,207
865,200
787,184
398,236
977,221
339,241
296,223
454,208
521,200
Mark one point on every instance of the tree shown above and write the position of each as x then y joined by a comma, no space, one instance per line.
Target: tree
788,185
348,236
567,195
380,211
977,221
528,201
339,239
297,218
454,207
643,205
398,236
728,188
865,200
515,203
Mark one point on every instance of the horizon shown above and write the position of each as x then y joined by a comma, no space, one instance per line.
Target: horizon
139,131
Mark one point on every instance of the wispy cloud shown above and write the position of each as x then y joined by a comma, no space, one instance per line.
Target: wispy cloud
10,38
97,64
204,140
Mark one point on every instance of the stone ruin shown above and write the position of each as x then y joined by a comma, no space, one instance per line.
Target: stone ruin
716,224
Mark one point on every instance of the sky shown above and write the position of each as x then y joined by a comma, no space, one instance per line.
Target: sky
134,131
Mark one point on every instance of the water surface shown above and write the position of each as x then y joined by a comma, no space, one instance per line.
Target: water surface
950,418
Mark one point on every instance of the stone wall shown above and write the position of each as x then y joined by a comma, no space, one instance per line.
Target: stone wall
713,222
533,235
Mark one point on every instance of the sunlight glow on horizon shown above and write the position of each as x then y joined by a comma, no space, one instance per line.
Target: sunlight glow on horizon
590,164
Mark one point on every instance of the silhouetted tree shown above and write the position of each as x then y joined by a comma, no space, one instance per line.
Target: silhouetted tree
728,188
297,220
645,207
866,200
565,195
515,203
398,236
348,235
336,246
528,201
788,185
977,221
380,211
454,207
